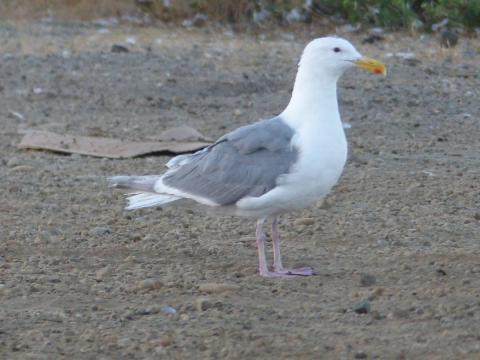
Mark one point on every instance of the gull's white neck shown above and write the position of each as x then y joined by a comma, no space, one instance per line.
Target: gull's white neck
314,98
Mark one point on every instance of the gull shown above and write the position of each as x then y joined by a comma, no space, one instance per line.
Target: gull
273,166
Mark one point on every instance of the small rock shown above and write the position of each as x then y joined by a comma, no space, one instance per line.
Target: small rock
202,304
131,40
441,24
100,274
402,55
205,303
54,279
374,34
178,101
150,284
217,288
305,221
348,28
167,309
441,272
16,115
376,31
198,20
360,355
22,168
149,238
237,112
376,293
297,15
117,48
14,161
371,39
147,311
448,38
363,307
101,230
166,340
367,280
261,16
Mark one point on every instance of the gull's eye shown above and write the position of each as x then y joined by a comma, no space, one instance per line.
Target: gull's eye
337,49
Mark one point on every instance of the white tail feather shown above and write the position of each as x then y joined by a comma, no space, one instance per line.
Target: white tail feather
144,199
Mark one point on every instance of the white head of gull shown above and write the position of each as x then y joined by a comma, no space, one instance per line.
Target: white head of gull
273,166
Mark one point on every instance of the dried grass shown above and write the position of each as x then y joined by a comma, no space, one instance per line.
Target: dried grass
65,9
74,10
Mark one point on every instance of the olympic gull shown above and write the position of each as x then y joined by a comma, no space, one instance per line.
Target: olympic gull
272,166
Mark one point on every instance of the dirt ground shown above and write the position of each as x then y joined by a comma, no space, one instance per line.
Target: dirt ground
395,245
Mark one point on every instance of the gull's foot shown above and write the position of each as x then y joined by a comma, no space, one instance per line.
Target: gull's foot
285,273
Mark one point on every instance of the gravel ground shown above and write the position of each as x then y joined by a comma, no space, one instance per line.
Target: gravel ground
396,244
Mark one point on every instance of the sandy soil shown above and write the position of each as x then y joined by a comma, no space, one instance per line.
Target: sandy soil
396,245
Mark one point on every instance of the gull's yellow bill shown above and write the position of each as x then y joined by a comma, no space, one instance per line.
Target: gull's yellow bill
371,65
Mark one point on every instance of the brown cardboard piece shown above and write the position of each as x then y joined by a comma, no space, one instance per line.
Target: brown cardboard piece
175,141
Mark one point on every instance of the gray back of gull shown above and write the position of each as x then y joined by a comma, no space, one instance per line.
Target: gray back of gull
244,162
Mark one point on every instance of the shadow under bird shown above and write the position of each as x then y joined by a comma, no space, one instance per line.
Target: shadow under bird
273,166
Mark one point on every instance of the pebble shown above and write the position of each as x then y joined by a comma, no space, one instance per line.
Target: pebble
439,25
21,168
198,20
131,40
101,230
150,238
149,284
217,288
100,274
360,355
167,309
441,272
305,221
147,311
376,293
14,161
166,340
117,48
261,16
363,307
367,280
298,15
16,115
448,38
204,303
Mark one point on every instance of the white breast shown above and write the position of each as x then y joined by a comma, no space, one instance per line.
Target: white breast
323,153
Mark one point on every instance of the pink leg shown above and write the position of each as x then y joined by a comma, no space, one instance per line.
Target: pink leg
262,260
277,257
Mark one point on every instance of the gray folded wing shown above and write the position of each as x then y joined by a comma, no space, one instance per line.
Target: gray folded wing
245,162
